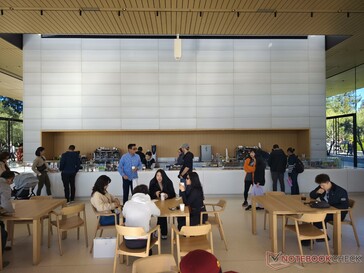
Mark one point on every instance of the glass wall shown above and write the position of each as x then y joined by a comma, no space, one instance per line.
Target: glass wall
345,95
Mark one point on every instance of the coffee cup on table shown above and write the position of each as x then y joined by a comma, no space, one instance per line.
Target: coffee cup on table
163,196
182,207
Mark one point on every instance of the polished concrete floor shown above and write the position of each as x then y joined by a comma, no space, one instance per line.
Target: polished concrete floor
247,252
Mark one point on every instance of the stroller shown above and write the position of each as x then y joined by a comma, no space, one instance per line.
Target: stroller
23,186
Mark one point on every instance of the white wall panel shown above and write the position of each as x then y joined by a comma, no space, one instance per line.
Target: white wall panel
290,100
252,88
61,124
61,44
317,88
252,100
32,78
61,78
317,133
215,78
33,136
139,45
176,67
252,111
100,55
139,78
215,112
216,45
137,89
180,78
31,56
177,123
215,89
32,113
292,44
177,112
247,44
101,112
31,42
214,56
168,44
142,101
32,90
139,56
101,90
138,67
290,67
290,111
318,122
61,55
102,67
101,101
62,90
289,88
106,124
206,101
287,122
32,67
252,56
317,111
142,124
177,90
316,77
32,101
252,67
288,55
216,123
139,112
252,123
100,44
215,67
252,78
291,78
169,101
32,124
66,112
61,101
167,55
317,100
101,78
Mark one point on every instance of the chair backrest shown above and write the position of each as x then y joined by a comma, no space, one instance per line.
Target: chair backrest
69,210
130,231
221,204
196,230
274,193
351,203
312,217
155,263
41,197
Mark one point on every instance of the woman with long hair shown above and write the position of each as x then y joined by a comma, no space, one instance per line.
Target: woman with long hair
292,173
41,168
249,168
193,197
4,157
104,201
161,187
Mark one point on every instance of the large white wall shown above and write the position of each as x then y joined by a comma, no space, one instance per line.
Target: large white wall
87,84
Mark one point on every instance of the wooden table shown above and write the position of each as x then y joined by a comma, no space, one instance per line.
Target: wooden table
291,204
173,203
33,210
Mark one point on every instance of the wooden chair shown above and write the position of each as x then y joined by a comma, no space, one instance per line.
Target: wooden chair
155,264
306,230
122,249
29,222
1,252
270,193
101,227
191,238
350,221
213,211
68,218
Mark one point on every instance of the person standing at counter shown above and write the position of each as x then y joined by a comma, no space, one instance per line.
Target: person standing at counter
41,168
141,154
277,162
69,166
161,187
187,166
292,172
128,169
149,161
193,198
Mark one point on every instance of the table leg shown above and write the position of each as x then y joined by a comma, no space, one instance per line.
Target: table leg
36,241
337,233
274,231
254,216
187,219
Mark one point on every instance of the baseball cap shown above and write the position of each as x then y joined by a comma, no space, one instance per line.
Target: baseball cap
185,146
200,261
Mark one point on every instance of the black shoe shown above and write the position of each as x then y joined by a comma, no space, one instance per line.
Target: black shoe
150,252
259,208
248,207
164,237
245,204
7,248
305,243
5,263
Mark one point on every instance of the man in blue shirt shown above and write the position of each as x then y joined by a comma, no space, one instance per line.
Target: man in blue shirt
128,169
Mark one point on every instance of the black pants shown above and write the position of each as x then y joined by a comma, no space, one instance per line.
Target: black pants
278,176
194,219
162,222
126,185
136,244
4,235
247,184
294,189
44,180
330,217
68,180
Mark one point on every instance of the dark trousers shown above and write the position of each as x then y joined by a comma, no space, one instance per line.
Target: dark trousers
278,176
126,185
247,184
68,180
162,222
194,219
294,189
4,235
330,217
44,180
136,244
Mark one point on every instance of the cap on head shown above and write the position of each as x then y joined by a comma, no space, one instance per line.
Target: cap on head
200,261
185,146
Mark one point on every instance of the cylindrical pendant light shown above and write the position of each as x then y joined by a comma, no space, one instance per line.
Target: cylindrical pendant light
177,48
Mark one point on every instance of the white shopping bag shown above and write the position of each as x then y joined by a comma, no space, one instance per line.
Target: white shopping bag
104,247
257,190
135,182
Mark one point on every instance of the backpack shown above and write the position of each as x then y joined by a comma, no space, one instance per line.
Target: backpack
298,166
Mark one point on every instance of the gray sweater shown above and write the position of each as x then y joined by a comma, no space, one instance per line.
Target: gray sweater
5,196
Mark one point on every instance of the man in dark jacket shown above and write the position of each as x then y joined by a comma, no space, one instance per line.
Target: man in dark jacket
69,166
277,162
331,193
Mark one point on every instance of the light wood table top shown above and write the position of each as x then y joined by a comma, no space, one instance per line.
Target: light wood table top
165,206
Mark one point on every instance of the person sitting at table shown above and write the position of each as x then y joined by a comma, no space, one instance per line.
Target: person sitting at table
137,213
158,186
149,161
104,201
193,198
4,157
6,180
331,193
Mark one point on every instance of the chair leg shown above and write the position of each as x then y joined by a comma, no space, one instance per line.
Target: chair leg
85,230
283,238
222,234
59,242
265,219
300,247
28,226
92,244
354,229
115,259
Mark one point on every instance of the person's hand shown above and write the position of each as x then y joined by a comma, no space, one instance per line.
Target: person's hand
182,187
158,194
166,196
39,174
320,191
117,202
125,177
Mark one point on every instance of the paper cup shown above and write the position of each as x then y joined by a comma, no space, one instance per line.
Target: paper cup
182,207
163,196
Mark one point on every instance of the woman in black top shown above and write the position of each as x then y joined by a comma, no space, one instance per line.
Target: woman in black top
292,173
161,185
193,198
